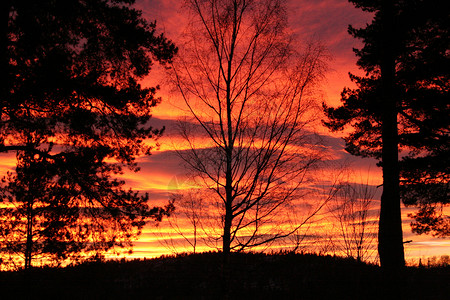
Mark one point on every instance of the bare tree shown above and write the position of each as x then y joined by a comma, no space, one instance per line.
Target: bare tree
305,221
357,227
184,231
250,97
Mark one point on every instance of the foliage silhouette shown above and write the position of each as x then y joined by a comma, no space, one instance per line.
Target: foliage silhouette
73,111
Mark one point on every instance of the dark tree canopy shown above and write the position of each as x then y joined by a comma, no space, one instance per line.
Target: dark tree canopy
72,109
420,46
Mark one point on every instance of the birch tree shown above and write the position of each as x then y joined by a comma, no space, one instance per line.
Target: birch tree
250,100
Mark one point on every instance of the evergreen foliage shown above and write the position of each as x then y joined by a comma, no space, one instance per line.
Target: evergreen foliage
419,45
75,114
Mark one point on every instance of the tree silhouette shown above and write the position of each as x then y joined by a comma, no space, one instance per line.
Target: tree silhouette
75,114
351,208
185,222
401,104
250,96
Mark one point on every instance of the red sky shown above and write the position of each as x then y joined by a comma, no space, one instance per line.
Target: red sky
325,20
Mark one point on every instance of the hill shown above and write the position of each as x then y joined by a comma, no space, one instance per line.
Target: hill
249,276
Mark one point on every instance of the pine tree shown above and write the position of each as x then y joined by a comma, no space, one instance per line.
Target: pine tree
401,105
73,111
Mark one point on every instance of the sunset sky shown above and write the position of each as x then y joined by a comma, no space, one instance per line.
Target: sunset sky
323,20
326,21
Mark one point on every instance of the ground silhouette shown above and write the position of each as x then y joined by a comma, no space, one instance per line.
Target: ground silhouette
200,276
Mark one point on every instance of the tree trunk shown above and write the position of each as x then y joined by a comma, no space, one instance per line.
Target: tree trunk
390,235
29,235
228,192
229,153
226,245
